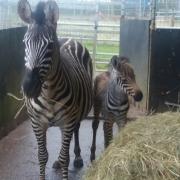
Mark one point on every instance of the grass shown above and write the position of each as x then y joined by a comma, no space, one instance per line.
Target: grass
146,149
102,48
85,34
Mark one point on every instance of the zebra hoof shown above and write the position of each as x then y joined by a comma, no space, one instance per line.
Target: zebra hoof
56,165
42,178
78,162
92,158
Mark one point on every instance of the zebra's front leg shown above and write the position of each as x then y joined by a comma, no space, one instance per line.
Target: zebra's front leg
95,125
56,164
78,161
108,132
64,153
42,150
122,120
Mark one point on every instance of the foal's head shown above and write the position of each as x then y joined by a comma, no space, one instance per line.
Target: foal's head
123,75
40,43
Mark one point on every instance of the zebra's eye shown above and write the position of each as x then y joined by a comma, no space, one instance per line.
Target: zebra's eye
123,79
50,45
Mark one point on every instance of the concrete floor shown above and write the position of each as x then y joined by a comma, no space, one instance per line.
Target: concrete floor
18,152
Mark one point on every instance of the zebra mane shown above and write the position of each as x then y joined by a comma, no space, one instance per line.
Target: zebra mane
123,66
39,15
124,59
126,70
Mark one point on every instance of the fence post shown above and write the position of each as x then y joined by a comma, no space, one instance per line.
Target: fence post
172,18
140,9
95,37
122,9
153,14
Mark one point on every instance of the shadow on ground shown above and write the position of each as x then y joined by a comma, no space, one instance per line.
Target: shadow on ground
18,152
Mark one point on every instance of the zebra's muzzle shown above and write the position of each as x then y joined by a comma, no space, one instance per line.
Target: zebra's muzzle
138,96
31,83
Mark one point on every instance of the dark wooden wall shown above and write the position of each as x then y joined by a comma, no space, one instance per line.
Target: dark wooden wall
165,68
11,69
155,56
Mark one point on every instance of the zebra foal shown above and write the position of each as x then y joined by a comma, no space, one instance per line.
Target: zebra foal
57,83
111,90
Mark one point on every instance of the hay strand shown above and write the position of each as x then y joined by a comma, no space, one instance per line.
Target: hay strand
17,99
146,149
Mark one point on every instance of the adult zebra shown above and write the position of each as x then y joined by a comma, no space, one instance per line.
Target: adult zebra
111,90
57,84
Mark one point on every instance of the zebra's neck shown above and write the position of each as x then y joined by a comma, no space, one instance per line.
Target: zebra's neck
116,100
58,83
116,91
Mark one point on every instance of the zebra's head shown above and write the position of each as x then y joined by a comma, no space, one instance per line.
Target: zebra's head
41,43
123,75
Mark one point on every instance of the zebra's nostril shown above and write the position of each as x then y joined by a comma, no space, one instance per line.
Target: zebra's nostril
31,83
138,96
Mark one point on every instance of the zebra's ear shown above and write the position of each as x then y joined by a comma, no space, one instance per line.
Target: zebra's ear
51,12
24,11
114,61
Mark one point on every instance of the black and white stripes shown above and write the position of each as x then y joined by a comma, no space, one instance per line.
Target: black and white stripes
111,90
57,84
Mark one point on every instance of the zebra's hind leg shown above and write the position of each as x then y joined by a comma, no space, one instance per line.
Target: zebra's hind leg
64,153
108,132
78,161
42,150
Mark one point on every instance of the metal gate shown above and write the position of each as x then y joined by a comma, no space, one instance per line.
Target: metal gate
96,25
149,36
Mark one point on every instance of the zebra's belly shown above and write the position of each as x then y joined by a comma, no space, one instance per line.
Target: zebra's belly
115,110
120,119
116,113
53,114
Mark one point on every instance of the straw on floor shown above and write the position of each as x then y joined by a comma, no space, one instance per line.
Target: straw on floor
146,149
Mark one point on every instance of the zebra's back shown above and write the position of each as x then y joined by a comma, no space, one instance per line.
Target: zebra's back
77,61
78,53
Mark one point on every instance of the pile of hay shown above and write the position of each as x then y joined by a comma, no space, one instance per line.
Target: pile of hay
148,149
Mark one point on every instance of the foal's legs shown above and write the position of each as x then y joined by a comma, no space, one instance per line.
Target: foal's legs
95,124
108,132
